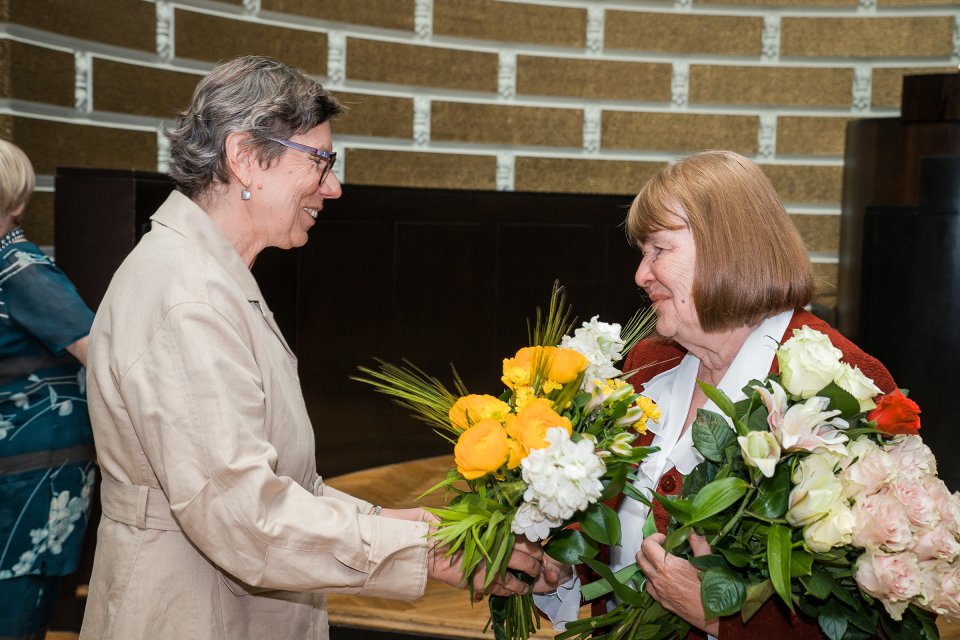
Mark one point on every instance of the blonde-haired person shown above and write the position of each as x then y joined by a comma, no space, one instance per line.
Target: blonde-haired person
728,275
46,446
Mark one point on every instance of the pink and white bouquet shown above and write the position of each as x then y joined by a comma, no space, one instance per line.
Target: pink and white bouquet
812,492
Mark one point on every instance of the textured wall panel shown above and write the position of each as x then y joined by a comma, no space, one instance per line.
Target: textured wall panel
679,131
887,83
867,37
35,73
37,219
51,144
496,124
788,86
825,279
142,91
683,33
371,115
424,66
205,37
123,23
806,184
798,135
574,175
603,79
427,170
391,14
784,3
917,3
820,233
510,21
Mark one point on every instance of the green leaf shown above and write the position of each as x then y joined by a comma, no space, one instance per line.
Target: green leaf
568,546
778,561
840,399
698,478
801,563
722,592
679,508
599,588
717,496
832,621
709,561
736,556
712,435
601,523
624,592
616,479
677,537
719,398
757,595
773,494
649,525
819,584
757,420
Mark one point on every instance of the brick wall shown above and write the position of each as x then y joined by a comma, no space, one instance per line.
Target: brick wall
577,96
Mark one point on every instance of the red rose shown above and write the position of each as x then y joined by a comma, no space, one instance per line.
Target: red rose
896,413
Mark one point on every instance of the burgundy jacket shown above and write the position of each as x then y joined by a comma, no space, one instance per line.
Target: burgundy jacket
773,620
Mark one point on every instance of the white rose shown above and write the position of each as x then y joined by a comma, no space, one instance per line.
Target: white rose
814,498
761,450
821,463
833,530
808,362
852,380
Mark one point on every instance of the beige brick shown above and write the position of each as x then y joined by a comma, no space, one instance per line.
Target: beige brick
867,37
887,86
574,175
142,91
510,21
683,33
917,3
415,169
593,79
52,144
825,279
784,3
799,135
497,124
371,115
378,61
118,22
771,86
820,233
205,37
37,219
678,131
806,184
36,74
390,14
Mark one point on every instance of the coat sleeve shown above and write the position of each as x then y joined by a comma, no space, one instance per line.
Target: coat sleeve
196,400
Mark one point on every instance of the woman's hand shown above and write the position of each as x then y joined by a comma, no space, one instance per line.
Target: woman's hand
526,557
674,582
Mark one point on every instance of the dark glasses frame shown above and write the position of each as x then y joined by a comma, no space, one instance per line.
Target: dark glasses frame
328,158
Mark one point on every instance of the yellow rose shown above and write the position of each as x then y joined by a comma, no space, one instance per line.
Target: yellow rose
471,409
566,365
529,427
516,453
481,449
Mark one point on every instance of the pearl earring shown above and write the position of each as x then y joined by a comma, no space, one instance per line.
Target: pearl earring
244,194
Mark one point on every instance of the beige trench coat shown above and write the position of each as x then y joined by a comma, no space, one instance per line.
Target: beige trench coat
216,524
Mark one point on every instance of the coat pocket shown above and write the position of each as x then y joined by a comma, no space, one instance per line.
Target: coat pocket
239,588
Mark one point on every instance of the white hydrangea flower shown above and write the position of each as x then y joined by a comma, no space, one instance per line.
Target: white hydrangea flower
600,343
533,523
562,479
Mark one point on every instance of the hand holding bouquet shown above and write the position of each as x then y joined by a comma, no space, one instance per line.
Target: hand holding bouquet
539,457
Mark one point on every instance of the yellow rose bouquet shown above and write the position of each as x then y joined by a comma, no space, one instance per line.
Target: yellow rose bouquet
539,459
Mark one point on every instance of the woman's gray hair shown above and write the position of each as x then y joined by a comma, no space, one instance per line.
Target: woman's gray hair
17,178
253,95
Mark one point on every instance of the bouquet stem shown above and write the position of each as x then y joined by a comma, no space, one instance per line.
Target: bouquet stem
513,617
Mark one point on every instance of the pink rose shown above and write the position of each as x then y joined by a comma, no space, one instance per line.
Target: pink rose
880,522
912,457
872,468
920,507
948,504
938,543
892,578
940,585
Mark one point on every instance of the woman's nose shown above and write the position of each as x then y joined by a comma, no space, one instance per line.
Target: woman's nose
330,187
643,276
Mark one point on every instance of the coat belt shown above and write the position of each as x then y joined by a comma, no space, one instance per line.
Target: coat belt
136,505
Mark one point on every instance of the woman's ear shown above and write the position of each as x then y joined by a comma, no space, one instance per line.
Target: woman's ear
241,160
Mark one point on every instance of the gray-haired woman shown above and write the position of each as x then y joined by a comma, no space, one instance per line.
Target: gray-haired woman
216,524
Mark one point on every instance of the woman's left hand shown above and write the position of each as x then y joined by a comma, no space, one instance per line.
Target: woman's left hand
674,582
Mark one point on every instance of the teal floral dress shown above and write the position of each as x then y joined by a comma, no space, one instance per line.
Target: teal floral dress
46,445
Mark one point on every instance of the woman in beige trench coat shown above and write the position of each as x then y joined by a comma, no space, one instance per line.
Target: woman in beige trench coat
215,522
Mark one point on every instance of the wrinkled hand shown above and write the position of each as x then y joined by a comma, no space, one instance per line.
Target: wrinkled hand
526,557
554,573
674,582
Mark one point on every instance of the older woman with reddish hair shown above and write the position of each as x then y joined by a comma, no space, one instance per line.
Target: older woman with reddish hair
728,276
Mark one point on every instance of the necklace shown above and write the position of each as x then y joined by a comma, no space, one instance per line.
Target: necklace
10,237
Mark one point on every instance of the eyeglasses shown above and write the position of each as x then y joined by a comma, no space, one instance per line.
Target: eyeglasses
324,159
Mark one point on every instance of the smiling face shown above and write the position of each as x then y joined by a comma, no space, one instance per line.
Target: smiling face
288,194
666,273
